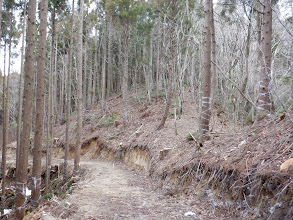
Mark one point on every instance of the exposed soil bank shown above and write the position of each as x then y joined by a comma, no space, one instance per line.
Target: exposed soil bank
250,197
238,169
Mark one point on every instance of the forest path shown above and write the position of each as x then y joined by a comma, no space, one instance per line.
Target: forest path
111,191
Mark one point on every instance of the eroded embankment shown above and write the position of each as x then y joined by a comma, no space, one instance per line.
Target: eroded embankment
251,197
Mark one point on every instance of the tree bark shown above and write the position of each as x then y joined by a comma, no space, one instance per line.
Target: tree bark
20,91
125,74
214,61
205,100
264,103
21,170
95,66
110,73
6,120
38,143
50,103
76,170
68,97
103,82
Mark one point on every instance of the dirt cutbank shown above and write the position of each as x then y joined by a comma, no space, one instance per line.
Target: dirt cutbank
238,169
249,195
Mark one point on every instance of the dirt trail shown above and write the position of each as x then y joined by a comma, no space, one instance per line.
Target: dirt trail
110,191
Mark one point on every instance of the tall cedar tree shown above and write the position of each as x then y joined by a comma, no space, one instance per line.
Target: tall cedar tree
79,92
21,169
37,154
68,97
6,113
264,103
206,87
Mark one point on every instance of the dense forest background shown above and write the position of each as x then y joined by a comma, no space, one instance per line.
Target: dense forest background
235,56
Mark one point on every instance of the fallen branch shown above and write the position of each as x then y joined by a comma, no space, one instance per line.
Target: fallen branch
136,131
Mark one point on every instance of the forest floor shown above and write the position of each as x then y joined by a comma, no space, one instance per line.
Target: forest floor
109,190
236,174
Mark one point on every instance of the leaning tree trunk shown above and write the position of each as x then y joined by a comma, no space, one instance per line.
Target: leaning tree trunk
76,170
264,103
205,101
21,170
68,98
38,143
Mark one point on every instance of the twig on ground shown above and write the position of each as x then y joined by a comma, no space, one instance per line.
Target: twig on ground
136,131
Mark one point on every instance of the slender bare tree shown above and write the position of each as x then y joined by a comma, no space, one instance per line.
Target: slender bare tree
171,64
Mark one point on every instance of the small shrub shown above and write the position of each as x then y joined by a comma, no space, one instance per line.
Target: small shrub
107,120
48,196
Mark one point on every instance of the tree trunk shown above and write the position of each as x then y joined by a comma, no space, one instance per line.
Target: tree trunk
95,67
110,73
21,170
103,82
4,129
6,120
125,75
205,101
20,91
50,104
150,78
38,143
76,170
90,79
214,61
68,97
158,69
264,103
84,77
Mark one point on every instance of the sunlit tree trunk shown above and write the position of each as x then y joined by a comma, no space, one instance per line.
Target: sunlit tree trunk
38,143
21,170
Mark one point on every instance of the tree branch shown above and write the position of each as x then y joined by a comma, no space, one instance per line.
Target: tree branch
241,93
